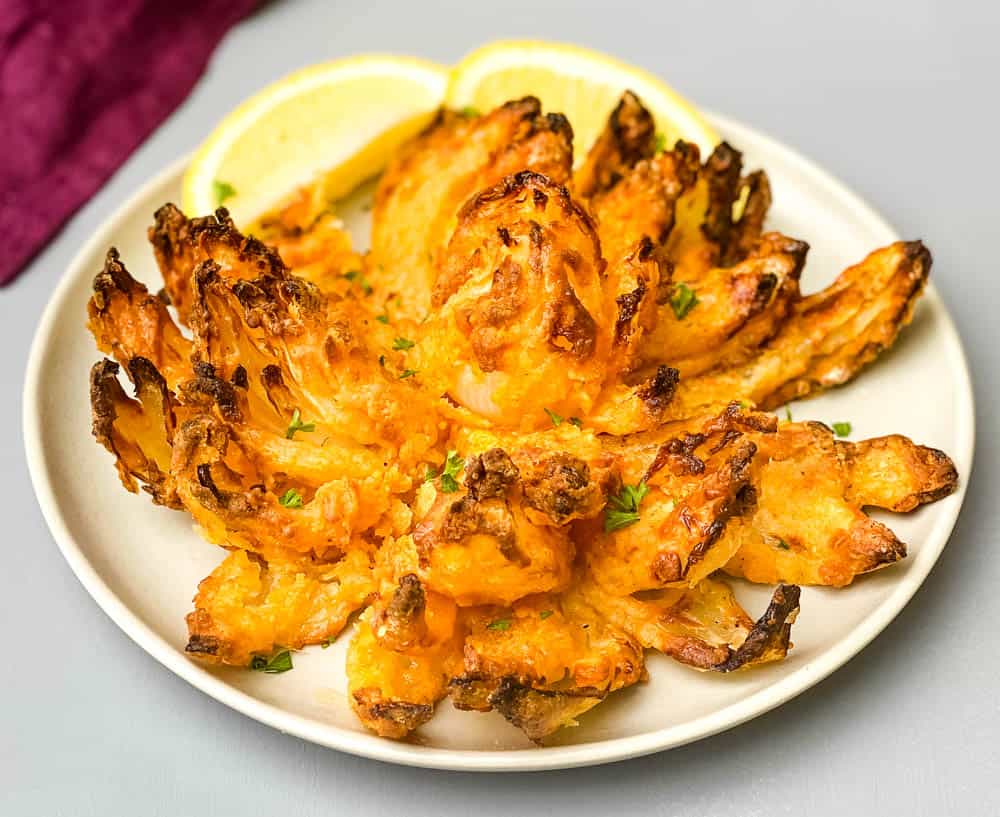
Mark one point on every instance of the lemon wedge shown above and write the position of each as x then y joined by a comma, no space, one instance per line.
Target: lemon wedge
338,122
582,84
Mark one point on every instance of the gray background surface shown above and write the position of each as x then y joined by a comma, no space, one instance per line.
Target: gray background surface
900,101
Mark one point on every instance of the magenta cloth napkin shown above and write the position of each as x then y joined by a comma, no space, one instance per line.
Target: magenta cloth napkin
82,83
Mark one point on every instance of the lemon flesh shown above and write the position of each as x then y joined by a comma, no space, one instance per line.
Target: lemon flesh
349,115
336,124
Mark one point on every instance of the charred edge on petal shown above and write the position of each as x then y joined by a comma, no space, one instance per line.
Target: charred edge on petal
491,474
539,712
628,308
408,599
772,630
103,383
561,488
659,391
207,382
739,474
202,644
722,171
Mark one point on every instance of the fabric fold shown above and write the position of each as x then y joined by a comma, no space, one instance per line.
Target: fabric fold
82,84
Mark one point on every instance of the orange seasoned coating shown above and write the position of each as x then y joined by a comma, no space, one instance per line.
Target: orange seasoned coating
805,523
312,241
687,493
420,194
128,322
392,692
827,338
543,663
250,607
522,435
736,310
521,323
702,626
138,432
490,542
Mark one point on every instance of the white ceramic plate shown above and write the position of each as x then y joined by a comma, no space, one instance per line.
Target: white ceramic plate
142,563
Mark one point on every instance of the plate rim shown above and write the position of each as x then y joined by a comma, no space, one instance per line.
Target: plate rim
531,759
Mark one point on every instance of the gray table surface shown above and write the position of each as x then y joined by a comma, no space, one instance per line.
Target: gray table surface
899,100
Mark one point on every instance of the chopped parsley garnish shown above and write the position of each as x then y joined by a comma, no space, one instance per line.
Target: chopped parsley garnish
453,465
784,545
358,276
555,418
842,429
683,300
623,509
407,373
291,499
298,425
576,421
788,413
660,144
222,190
279,662
401,344
328,641
382,318
544,614
469,112
500,624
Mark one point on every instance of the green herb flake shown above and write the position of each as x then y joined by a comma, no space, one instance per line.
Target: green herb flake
683,300
402,344
279,662
555,418
357,276
407,373
328,642
223,191
842,429
623,508
576,421
382,319
544,614
501,624
784,545
660,144
298,425
788,413
469,112
453,465
291,499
